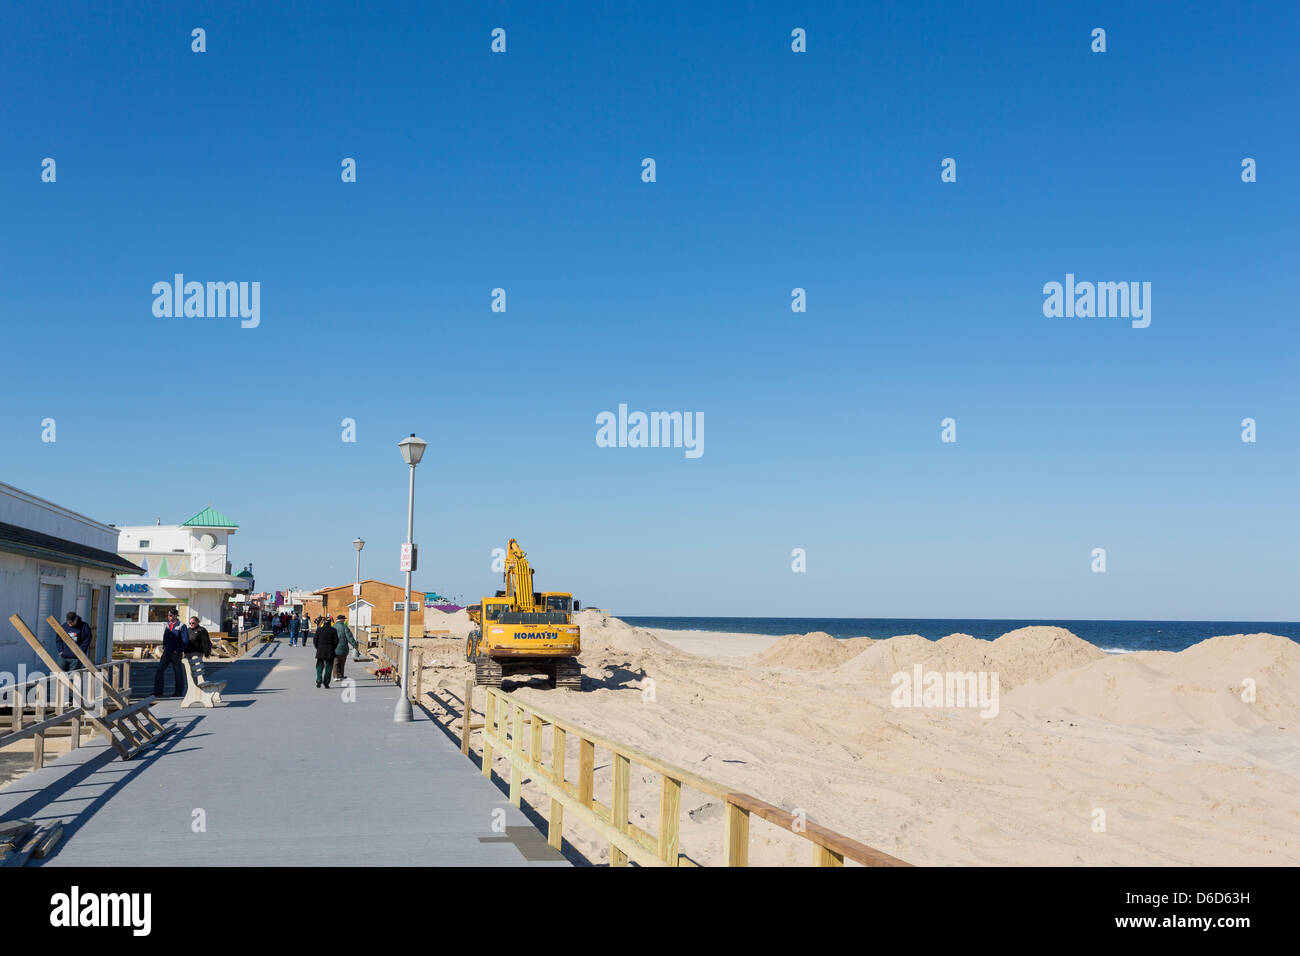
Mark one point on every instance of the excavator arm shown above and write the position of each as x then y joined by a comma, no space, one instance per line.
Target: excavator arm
519,577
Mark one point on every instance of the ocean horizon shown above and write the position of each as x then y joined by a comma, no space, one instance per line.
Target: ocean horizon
1114,637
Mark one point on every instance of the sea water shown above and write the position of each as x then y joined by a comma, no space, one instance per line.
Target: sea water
1114,637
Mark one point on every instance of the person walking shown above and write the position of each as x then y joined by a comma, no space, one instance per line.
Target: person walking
326,640
175,639
294,626
341,651
80,633
199,641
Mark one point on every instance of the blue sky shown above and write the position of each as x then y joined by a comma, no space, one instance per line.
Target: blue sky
775,170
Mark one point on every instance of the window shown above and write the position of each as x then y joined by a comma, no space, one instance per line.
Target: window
158,612
144,544
127,612
558,602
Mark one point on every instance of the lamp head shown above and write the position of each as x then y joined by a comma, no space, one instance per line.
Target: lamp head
412,449
358,544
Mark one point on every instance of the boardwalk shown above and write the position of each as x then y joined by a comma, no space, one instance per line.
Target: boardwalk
286,774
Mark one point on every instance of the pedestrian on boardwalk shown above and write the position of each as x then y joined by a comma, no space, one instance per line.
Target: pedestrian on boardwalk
199,643
175,639
341,651
294,626
326,640
80,633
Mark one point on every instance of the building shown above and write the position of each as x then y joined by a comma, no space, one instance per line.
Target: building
185,568
380,603
52,561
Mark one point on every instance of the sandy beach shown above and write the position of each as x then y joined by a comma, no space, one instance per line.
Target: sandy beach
1090,759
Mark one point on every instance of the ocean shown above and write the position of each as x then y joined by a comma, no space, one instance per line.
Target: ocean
1114,637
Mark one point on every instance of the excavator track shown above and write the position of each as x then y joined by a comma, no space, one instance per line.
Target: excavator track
487,672
568,673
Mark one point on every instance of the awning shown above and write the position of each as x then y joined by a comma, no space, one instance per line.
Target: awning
25,541
204,581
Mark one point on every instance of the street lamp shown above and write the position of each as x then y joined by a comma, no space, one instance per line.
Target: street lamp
412,451
356,591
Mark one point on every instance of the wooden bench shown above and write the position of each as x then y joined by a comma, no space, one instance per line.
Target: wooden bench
200,692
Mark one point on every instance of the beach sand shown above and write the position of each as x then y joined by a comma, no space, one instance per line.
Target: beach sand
1149,758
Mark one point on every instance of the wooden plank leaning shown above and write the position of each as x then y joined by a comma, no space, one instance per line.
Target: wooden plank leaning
142,733
107,723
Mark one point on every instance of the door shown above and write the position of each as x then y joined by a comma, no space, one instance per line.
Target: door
51,604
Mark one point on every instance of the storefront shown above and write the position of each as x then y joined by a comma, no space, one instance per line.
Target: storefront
184,569
53,561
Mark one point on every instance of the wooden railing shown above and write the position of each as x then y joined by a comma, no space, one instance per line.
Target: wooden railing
248,637
390,652
52,705
503,733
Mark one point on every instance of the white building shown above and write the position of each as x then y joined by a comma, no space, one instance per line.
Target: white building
52,561
185,567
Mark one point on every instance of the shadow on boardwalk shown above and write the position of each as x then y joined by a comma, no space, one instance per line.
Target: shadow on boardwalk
288,774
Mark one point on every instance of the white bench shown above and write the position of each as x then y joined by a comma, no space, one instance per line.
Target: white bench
200,692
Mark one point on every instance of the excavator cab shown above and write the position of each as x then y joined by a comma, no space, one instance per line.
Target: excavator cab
523,631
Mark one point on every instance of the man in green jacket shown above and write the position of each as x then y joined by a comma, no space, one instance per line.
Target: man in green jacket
341,650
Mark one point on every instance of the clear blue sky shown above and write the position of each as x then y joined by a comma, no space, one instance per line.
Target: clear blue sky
775,170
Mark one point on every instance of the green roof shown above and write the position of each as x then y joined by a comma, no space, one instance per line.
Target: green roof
209,517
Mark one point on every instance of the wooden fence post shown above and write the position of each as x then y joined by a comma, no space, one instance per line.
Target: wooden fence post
670,807
555,822
586,771
489,722
517,749
736,838
38,749
825,857
618,807
468,715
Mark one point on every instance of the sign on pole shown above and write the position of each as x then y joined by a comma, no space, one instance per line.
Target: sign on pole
410,557
356,590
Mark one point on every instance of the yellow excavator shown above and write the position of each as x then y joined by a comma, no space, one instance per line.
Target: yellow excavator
522,631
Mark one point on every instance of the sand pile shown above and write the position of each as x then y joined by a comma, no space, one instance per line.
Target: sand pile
1187,772
1035,653
1018,656
603,634
1201,687
816,650
457,622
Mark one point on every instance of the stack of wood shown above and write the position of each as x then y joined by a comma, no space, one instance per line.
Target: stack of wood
22,839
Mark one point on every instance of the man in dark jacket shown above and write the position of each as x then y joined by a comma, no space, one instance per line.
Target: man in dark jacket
341,652
200,642
80,633
326,640
175,639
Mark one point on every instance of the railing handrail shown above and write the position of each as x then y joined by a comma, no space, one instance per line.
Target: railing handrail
63,703
626,840
7,689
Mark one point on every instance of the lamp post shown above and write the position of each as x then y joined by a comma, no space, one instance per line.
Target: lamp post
412,449
356,591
